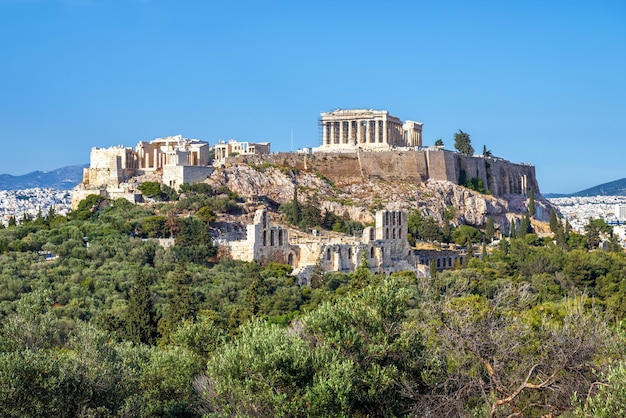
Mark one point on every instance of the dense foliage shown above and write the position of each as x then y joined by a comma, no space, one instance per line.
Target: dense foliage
99,320
463,143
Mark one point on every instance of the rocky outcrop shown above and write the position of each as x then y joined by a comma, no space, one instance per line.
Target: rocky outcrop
361,199
499,176
278,185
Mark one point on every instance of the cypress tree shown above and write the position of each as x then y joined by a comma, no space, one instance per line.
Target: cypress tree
531,202
490,230
555,226
295,214
141,324
180,303
469,254
512,228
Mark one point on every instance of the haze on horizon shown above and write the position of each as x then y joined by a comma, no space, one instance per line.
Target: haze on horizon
537,82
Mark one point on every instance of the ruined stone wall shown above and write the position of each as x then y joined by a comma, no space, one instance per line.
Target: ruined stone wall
499,176
386,253
265,243
109,166
176,175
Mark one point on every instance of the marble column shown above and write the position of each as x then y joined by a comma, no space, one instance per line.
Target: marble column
350,133
385,127
377,132
341,132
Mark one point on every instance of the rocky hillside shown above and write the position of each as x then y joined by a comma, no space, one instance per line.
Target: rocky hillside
360,199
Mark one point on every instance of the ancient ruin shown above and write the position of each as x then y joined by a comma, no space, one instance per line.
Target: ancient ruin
175,159
346,129
358,146
383,248
223,149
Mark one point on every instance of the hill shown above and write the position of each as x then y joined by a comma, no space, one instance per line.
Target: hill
613,188
65,178
359,196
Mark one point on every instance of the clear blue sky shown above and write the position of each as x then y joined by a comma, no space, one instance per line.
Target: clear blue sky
540,81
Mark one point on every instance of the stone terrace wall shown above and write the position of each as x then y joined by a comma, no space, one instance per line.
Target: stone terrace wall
500,176
349,166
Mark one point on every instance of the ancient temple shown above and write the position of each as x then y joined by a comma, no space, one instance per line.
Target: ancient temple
367,129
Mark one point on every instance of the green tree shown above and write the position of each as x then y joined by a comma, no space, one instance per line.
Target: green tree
433,269
513,228
449,213
531,202
555,225
154,226
462,143
486,152
88,208
141,322
593,231
609,397
414,221
466,234
206,215
150,188
439,142
488,369
181,303
613,244
490,230
293,209
201,336
264,372
525,227
167,383
311,215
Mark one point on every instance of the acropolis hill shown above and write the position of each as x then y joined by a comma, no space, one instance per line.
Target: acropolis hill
370,167
499,176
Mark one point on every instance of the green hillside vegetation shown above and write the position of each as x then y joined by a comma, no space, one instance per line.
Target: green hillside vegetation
117,326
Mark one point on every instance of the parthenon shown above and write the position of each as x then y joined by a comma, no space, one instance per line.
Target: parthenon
368,129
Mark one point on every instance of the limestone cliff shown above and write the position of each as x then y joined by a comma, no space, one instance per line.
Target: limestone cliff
360,194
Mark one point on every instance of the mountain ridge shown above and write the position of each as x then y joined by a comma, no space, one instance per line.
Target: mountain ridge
64,178
612,188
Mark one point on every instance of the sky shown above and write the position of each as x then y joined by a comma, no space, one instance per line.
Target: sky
540,82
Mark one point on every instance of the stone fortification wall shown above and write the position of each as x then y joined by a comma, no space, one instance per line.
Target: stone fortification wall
109,166
346,167
176,175
499,176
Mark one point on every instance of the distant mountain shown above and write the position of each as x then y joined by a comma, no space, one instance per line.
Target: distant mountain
613,188
64,178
